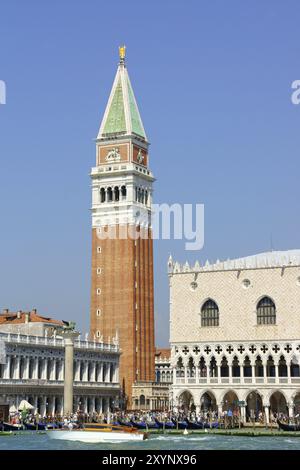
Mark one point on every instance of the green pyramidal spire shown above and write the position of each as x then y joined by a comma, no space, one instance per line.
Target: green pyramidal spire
122,115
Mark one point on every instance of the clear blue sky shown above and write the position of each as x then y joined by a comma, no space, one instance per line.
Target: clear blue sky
213,83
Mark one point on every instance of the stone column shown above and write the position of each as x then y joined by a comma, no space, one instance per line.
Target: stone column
100,372
53,369
100,405
267,414
85,371
44,369
26,368
59,410
35,403
85,405
69,336
185,374
43,407
230,371
77,371
243,413
61,370
291,410
6,374
92,405
265,372
35,368
116,373
93,372
17,368
276,371
288,366
253,373
51,408
219,372
242,372
106,405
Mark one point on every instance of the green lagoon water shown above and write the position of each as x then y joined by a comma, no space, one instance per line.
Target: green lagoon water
34,441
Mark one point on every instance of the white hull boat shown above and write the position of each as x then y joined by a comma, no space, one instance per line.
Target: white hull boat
95,434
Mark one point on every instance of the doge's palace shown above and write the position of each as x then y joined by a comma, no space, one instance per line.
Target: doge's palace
235,334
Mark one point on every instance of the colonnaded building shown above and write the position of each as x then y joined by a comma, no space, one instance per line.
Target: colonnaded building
235,334
32,366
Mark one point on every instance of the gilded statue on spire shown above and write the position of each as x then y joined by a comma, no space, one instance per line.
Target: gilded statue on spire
122,52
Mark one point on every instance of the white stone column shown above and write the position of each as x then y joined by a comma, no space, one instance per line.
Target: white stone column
288,366
243,413
60,406
185,374
53,369
219,372
69,337
265,372
106,405
44,369
291,410
92,372
51,408
100,372
16,374
242,371
85,405
85,371
117,371
230,371
6,374
35,402
77,371
26,368
61,370
43,407
276,371
253,373
35,368
107,372
92,405
99,407
267,414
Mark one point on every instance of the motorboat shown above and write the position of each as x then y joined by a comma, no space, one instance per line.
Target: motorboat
97,433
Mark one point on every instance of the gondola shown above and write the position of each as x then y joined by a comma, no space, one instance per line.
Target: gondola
180,424
194,424
138,424
166,425
144,425
35,427
125,423
288,427
12,427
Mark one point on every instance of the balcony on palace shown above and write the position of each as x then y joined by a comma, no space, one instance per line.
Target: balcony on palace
236,380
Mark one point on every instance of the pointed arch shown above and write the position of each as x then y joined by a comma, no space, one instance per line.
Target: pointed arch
266,311
210,313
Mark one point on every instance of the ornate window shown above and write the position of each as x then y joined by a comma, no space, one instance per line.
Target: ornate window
266,312
210,314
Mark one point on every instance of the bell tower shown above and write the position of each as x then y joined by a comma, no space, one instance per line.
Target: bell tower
122,245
